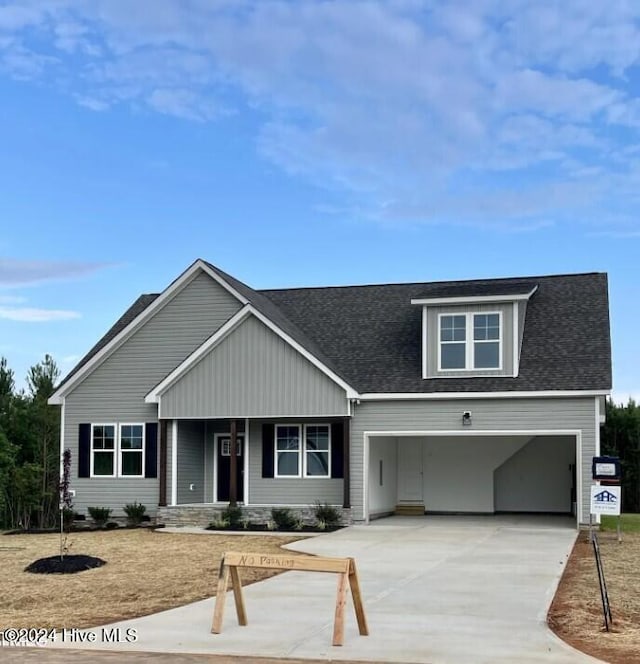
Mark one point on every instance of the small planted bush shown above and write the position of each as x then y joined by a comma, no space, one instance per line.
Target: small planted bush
233,516
326,515
283,518
100,515
135,513
68,517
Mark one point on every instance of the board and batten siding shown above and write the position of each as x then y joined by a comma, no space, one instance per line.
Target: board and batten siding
286,490
433,338
114,392
516,414
253,372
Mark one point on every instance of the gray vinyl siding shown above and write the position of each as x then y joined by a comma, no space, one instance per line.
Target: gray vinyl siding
286,491
433,341
253,373
115,391
517,414
190,463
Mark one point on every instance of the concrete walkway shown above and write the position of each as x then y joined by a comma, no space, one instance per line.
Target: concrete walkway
436,589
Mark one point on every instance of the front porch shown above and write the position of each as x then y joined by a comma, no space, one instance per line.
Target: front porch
292,462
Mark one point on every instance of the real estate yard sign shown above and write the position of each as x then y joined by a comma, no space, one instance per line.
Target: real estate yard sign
605,500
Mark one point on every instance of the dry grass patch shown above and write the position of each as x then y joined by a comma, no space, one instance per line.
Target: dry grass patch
576,611
146,572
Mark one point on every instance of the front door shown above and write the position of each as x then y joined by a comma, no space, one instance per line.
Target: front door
224,467
410,471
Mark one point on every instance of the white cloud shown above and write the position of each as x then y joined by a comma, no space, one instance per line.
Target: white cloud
34,315
398,104
15,272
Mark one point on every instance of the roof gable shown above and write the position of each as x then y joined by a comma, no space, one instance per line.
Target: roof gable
368,337
143,309
250,368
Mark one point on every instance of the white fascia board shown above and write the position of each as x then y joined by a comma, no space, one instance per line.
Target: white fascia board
173,289
197,355
409,396
474,299
209,344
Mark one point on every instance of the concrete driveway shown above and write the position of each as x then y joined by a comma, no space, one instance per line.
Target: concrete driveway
436,589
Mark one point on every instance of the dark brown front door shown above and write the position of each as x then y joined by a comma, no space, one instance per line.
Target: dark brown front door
224,467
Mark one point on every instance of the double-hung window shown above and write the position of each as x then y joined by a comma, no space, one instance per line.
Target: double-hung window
103,450
131,450
471,341
303,450
317,450
117,450
288,447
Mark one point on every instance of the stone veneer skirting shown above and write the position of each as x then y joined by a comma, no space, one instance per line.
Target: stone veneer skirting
203,515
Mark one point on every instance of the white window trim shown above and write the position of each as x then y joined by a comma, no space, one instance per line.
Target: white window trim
302,451
114,451
469,341
305,451
121,451
276,451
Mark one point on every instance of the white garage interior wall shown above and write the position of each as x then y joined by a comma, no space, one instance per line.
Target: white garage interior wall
458,471
474,474
538,477
383,486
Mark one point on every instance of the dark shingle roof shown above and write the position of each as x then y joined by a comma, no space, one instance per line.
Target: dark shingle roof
371,335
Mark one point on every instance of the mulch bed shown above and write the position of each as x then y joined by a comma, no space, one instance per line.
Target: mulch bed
64,564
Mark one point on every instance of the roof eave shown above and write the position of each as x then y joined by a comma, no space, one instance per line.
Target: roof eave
474,299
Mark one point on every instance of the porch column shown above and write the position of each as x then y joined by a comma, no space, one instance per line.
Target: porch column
162,500
346,461
174,462
233,466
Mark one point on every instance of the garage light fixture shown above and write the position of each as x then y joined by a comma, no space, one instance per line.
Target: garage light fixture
466,418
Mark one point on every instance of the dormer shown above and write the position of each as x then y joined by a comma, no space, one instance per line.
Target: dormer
473,329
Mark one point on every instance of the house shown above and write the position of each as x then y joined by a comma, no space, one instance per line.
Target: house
470,396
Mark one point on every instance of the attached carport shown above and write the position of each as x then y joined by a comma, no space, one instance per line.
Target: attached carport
476,472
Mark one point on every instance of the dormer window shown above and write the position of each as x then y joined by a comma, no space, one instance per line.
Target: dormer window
470,341
473,330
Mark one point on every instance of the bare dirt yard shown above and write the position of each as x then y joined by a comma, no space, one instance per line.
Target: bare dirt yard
576,612
146,572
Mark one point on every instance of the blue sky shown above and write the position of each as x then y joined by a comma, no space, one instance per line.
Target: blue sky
310,143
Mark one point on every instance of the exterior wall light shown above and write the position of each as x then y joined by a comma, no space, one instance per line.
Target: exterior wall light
466,418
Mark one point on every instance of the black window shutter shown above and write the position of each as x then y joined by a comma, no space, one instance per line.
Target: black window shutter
337,449
151,452
84,450
268,435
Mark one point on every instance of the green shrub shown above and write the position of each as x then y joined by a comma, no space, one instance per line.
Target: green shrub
135,512
326,515
100,515
68,517
283,518
233,515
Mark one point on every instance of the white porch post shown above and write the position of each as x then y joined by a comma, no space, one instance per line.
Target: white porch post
174,462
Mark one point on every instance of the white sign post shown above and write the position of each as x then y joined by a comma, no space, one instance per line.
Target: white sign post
605,500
